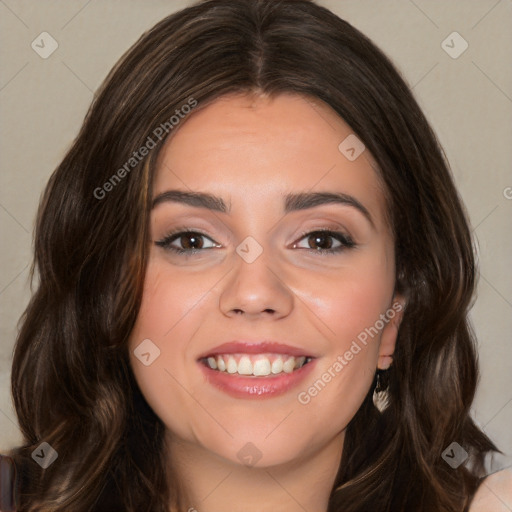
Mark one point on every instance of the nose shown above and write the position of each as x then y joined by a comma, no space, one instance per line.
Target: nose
255,290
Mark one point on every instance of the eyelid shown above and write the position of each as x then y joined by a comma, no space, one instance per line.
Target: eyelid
345,240
166,240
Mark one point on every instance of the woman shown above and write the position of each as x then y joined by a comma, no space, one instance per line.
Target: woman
254,279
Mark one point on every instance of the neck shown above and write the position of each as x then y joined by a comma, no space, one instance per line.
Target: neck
210,483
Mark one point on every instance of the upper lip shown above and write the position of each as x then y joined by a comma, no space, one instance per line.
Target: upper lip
256,347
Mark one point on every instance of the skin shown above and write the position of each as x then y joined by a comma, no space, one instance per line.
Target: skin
495,493
251,151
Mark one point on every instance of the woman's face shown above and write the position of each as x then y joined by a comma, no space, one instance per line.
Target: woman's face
264,291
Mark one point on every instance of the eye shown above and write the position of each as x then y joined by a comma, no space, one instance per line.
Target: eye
325,241
188,242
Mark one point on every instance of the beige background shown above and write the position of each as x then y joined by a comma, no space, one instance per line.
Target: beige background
468,101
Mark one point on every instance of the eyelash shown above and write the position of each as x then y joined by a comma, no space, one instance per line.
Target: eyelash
345,240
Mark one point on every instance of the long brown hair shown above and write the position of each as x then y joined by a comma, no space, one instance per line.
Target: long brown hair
72,383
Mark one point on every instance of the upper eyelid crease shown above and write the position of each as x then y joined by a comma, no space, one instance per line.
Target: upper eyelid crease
304,201
293,202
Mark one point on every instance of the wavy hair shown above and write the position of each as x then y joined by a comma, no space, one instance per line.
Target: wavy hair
72,384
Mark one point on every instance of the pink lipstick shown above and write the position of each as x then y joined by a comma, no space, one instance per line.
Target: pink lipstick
256,369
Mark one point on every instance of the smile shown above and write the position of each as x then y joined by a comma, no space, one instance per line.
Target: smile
256,365
256,370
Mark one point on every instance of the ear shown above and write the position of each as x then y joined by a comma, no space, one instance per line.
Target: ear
394,316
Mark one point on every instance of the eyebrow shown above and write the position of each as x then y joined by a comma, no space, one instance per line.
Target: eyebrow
197,199
293,202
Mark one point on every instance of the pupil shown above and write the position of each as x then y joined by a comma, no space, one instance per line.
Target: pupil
190,241
320,240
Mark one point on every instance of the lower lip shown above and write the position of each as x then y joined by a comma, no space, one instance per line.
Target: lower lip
239,386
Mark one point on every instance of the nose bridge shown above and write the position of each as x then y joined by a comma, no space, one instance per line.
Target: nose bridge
255,285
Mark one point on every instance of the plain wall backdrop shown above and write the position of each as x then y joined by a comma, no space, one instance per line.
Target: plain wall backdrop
466,93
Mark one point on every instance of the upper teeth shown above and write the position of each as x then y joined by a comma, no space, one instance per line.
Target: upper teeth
257,364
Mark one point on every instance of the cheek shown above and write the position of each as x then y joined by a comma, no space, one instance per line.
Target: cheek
167,298
349,306
349,303
168,304
171,308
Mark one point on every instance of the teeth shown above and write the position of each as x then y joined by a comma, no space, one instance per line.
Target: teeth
289,365
261,367
257,364
245,366
299,362
232,366
277,366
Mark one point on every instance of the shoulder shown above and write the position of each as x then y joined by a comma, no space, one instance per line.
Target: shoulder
494,493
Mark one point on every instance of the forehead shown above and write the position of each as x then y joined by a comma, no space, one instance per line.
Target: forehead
252,149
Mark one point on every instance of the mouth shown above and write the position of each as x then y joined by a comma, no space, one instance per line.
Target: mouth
255,370
255,365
